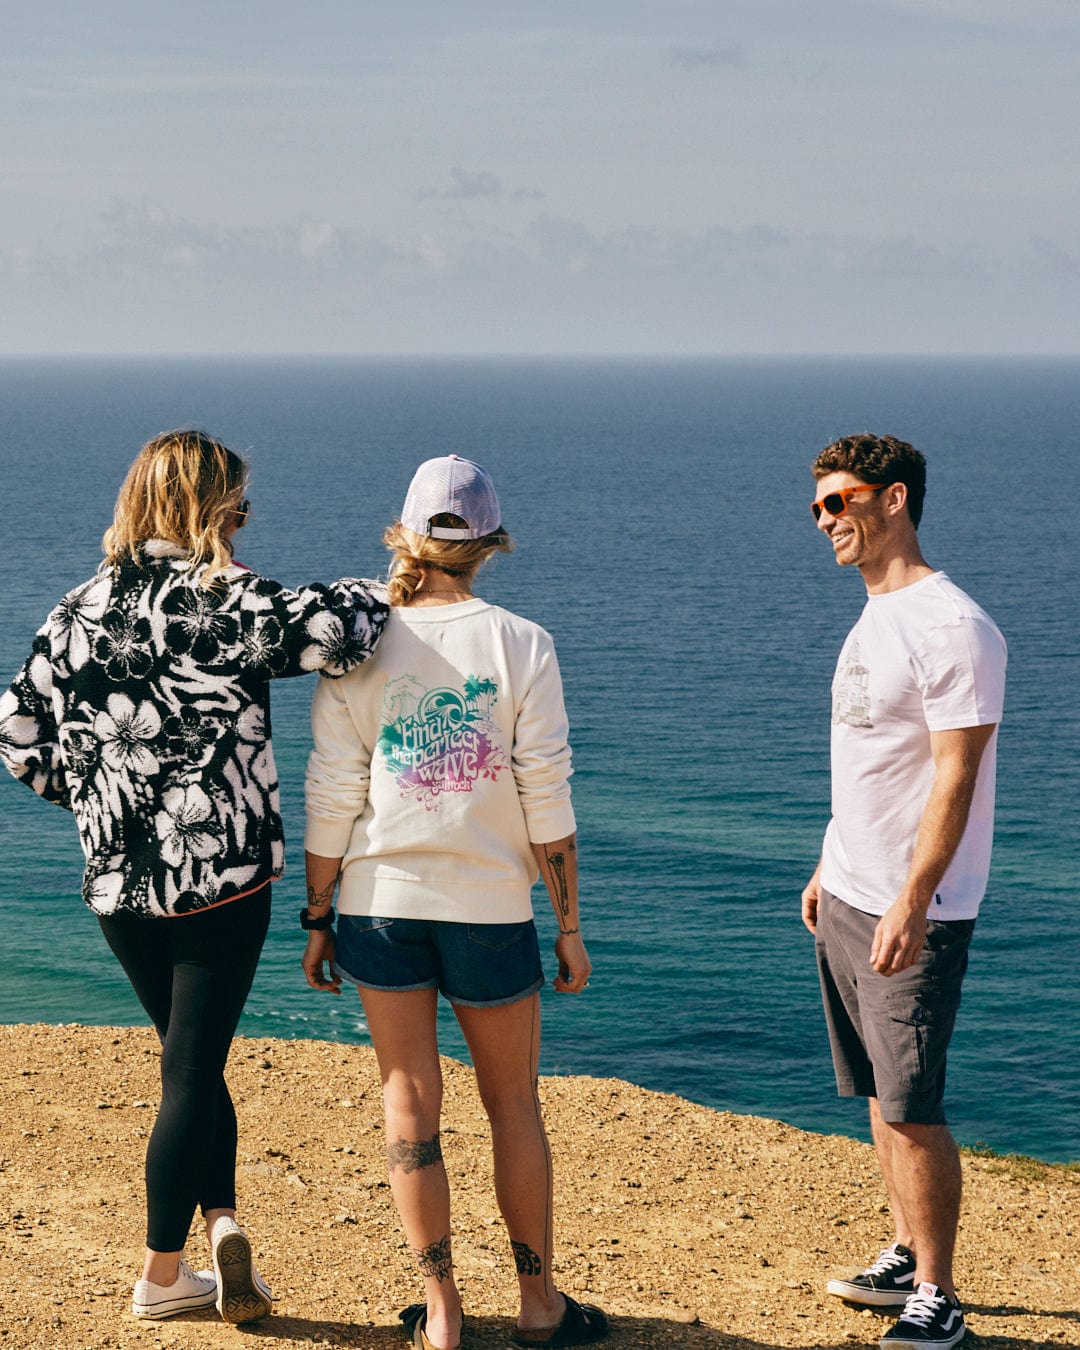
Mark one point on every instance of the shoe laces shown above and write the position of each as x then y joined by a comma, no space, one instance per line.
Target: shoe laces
889,1259
921,1308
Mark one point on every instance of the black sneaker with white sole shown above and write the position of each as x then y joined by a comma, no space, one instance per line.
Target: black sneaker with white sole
931,1320
888,1283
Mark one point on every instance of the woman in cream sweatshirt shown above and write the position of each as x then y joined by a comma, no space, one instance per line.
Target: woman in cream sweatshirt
437,787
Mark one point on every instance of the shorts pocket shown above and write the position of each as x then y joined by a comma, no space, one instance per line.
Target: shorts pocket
920,1025
496,937
369,923
947,946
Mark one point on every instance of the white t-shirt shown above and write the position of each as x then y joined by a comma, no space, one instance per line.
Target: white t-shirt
921,659
433,775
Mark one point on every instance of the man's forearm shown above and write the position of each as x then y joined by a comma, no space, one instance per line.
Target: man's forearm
941,827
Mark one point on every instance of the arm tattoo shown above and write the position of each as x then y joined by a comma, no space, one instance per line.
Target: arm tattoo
435,1260
412,1154
317,899
526,1260
557,867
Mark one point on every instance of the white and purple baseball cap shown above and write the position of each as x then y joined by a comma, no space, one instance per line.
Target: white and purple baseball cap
451,486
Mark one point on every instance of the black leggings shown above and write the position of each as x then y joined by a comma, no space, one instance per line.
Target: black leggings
192,974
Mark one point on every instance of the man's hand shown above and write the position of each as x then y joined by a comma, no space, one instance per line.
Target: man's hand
899,939
811,898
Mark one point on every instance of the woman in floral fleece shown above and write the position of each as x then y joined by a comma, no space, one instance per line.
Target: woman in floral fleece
144,710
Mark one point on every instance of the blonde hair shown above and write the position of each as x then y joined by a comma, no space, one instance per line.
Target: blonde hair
415,552
183,487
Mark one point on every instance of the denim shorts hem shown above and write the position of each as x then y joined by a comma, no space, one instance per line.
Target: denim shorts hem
381,988
533,988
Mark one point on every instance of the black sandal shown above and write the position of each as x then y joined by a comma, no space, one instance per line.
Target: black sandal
582,1324
414,1320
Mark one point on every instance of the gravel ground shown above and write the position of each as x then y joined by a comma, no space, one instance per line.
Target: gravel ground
692,1227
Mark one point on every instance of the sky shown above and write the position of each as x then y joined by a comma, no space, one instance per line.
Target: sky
492,176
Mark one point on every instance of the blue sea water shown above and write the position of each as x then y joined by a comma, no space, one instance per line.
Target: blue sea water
660,512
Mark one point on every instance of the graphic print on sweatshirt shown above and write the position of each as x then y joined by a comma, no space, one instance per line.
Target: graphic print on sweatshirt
440,740
851,691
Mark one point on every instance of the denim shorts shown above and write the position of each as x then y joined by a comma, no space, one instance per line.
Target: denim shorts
889,1033
479,965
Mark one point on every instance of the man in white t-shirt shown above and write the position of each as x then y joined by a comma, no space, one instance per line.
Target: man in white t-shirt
916,700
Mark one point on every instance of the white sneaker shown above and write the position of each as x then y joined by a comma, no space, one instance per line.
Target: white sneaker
242,1294
192,1289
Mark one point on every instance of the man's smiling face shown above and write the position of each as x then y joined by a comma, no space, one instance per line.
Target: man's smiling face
858,533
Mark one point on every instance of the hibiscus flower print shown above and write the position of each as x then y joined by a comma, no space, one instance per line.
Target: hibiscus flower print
334,649
81,749
125,733
263,645
104,891
18,729
189,732
77,618
186,827
196,626
122,646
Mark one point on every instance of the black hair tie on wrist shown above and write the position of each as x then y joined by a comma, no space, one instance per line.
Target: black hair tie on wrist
319,925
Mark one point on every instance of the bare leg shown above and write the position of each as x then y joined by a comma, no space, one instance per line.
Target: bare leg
505,1046
925,1181
162,1268
883,1141
402,1027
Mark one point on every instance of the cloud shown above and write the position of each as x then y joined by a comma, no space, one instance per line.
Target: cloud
551,285
466,186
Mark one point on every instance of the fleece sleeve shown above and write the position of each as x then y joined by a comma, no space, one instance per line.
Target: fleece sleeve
541,754
29,738
326,628
338,773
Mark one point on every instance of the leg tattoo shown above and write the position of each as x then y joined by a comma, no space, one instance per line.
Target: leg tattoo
435,1260
526,1260
412,1154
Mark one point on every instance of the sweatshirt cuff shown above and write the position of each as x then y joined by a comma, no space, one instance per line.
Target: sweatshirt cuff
555,820
328,838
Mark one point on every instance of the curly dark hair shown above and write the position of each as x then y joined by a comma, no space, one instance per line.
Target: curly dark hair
878,459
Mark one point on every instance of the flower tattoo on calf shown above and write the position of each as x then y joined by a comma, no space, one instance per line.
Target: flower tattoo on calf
526,1260
435,1260
412,1154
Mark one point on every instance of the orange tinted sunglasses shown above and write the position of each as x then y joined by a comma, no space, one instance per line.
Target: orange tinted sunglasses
836,503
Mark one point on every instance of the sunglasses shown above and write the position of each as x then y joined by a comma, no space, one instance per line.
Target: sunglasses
836,503
243,510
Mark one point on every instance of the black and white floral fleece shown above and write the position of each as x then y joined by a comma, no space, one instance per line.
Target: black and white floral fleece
144,708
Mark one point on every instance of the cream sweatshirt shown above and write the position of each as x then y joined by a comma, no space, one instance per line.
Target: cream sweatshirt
438,764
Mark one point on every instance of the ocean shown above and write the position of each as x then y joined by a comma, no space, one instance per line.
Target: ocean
660,513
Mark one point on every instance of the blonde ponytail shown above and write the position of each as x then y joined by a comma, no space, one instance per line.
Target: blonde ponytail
413,553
